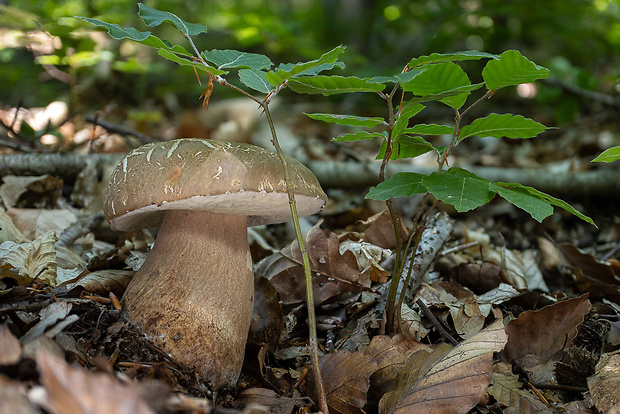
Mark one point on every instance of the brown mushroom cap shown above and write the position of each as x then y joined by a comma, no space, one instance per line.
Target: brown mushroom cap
208,175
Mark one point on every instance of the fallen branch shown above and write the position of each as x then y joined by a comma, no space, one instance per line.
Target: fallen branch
602,181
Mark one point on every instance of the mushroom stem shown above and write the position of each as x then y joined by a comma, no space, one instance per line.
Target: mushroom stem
194,294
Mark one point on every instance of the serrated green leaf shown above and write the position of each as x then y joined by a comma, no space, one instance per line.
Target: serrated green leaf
441,78
153,17
512,68
330,85
360,135
255,79
430,129
146,38
234,59
403,184
505,125
450,57
459,188
285,72
406,147
522,197
609,155
350,120
186,62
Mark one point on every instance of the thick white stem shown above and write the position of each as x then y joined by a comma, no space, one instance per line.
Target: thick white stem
194,294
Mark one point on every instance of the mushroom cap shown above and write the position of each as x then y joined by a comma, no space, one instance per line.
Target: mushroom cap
208,175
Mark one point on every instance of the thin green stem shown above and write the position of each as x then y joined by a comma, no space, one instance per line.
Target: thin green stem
314,353
313,338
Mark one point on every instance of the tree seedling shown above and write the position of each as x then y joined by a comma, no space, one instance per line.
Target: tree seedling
433,78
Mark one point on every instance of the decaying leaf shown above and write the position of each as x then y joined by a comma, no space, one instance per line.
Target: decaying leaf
605,383
380,231
73,390
28,261
54,313
536,338
346,379
277,404
391,355
458,380
506,389
34,222
10,349
100,282
40,191
8,230
412,324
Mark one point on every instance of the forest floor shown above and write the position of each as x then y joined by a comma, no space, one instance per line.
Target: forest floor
501,312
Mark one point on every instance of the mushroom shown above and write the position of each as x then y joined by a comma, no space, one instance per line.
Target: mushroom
194,294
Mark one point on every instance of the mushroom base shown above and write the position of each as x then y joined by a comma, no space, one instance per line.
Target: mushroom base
194,294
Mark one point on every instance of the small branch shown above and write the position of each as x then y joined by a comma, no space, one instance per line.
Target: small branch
436,323
119,129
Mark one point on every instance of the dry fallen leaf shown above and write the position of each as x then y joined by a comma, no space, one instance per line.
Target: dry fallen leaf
536,337
391,355
72,390
100,282
346,380
28,261
506,389
458,380
10,349
605,383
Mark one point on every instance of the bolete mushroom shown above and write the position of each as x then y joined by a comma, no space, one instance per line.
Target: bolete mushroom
194,295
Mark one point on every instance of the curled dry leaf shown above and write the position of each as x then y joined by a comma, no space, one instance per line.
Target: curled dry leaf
380,231
277,404
412,324
8,230
536,337
10,349
73,390
507,390
391,356
39,191
33,222
101,282
28,261
458,380
346,379
605,383
50,315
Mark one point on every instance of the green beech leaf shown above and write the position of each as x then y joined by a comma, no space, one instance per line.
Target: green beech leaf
285,72
360,135
450,57
330,85
153,17
465,90
441,78
255,79
146,38
505,125
531,207
430,129
512,68
234,59
522,197
350,120
609,155
406,147
401,77
404,115
459,188
186,62
404,184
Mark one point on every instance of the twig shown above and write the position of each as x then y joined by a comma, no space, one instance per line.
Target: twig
119,129
436,323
